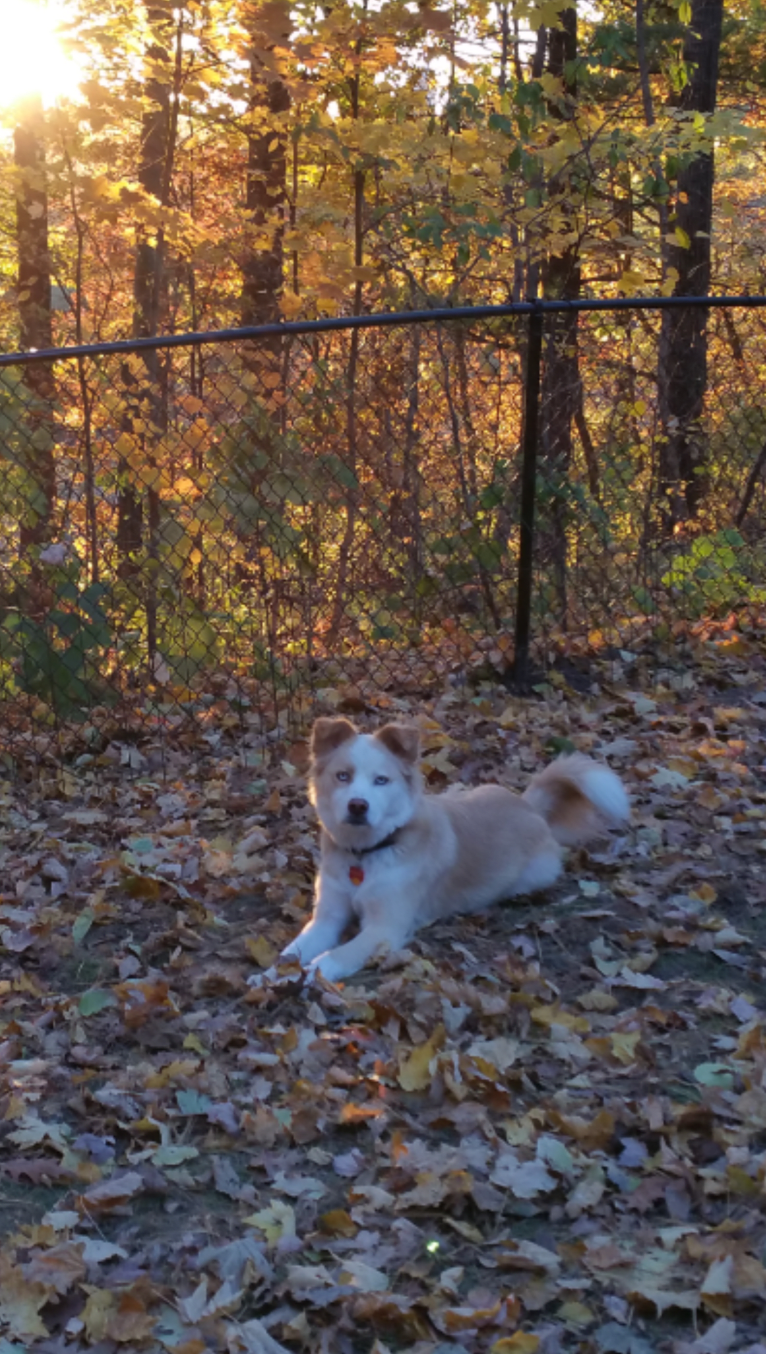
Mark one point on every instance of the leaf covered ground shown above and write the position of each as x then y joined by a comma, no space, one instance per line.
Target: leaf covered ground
543,1129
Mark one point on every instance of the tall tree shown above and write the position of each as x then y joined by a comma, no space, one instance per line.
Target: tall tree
266,189
352,412
561,273
147,395
683,353
35,319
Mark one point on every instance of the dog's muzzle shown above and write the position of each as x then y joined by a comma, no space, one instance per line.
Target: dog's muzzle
357,812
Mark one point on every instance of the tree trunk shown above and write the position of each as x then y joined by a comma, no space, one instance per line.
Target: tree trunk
560,392
148,277
266,196
34,301
266,202
148,397
352,424
683,372
352,454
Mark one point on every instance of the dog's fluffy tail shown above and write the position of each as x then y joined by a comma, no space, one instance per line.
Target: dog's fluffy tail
575,796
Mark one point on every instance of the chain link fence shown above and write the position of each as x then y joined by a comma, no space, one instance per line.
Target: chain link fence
228,527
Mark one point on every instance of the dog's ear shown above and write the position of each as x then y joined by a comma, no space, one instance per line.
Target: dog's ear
401,739
328,734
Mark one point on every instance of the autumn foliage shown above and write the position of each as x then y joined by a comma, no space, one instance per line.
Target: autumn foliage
289,508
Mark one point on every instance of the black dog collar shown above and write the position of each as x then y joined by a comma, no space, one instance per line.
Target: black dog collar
390,840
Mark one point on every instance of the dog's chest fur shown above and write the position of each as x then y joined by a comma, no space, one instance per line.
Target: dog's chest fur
380,870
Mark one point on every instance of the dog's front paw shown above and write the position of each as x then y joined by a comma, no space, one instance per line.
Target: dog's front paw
286,970
326,966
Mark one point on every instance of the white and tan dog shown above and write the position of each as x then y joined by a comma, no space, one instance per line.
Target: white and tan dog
396,859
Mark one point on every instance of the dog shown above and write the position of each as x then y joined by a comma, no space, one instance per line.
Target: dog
396,859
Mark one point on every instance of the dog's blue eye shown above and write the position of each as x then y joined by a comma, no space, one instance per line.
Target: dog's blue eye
343,775
382,780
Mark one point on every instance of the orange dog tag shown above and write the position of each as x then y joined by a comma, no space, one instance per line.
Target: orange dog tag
356,874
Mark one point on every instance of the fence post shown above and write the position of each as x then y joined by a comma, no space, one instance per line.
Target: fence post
528,493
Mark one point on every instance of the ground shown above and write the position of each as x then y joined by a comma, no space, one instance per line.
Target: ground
543,1129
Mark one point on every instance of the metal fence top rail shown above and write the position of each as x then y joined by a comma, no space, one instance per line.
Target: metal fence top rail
375,321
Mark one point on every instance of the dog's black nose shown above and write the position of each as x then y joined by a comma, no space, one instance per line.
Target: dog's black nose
357,809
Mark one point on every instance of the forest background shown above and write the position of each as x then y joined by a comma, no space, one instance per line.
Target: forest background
225,164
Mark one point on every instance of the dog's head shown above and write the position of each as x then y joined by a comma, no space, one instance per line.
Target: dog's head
363,786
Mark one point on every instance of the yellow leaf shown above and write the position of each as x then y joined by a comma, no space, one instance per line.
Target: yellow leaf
125,445
290,304
624,1047
740,1182
261,950
414,1071
96,1314
275,1222
553,1015
735,648
681,238
575,1313
686,765
705,893
597,1000
631,281
195,1045
520,1343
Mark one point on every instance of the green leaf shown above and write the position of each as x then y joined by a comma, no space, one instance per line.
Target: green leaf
560,745
82,925
97,999
173,1154
488,554
714,1074
193,1102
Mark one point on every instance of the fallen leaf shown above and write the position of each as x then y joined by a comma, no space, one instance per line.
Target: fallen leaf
414,1069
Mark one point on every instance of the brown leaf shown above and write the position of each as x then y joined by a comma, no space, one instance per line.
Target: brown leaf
456,1319
142,998
59,1268
21,1301
436,21
40,1170
108,1194
593,1134
358,1114
393,1314
129,1322
338,1223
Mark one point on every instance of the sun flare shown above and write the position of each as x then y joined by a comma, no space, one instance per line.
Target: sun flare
33,59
